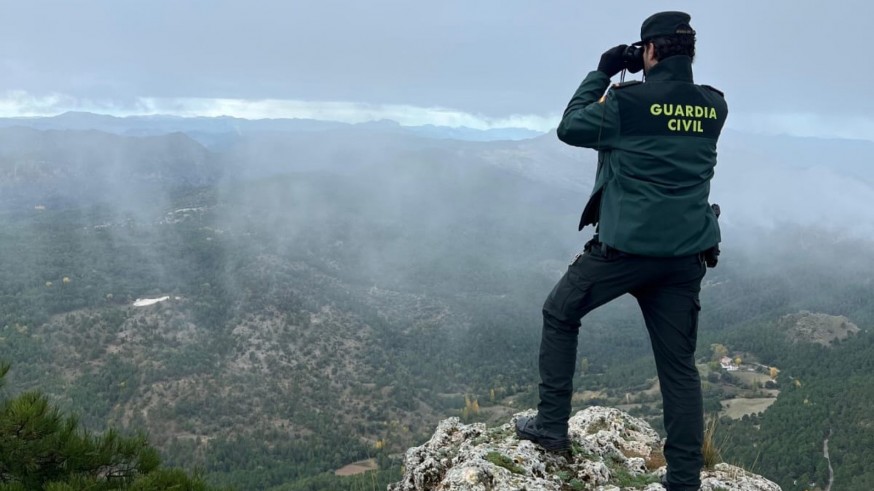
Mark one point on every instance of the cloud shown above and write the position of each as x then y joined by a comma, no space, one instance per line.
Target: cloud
18,103
348,112
22,104
804,124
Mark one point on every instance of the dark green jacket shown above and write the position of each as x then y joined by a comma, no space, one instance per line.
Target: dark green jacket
656,145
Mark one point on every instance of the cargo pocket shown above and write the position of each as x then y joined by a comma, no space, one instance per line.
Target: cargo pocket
565,301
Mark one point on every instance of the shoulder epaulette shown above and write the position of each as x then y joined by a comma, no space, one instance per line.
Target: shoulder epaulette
626,84
714,89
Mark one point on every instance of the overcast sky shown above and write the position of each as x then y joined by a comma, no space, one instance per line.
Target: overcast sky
801,66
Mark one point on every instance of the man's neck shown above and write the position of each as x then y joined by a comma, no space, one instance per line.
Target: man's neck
676,68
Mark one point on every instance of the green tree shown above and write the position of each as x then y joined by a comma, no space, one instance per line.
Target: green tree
42,449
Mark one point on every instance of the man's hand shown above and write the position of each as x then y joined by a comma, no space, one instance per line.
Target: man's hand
611,61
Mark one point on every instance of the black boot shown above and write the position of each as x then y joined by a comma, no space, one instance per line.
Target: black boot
528,428
668,487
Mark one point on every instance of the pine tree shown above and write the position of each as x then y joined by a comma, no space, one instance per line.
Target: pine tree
42,449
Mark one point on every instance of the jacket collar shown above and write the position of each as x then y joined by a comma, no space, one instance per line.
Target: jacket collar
677,68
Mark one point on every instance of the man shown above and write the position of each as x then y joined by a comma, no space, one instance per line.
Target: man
656,143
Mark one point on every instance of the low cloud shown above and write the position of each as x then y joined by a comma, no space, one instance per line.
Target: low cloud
17,103
804,124
348,112
23,104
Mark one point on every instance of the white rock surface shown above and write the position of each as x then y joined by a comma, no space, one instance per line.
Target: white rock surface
609,445
725,476
145,302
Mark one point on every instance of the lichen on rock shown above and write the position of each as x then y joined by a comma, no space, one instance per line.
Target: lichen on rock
611,450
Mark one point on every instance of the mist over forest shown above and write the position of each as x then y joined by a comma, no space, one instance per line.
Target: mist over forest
335,290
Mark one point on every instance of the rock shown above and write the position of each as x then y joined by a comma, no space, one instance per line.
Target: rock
612,451
817,328
725,476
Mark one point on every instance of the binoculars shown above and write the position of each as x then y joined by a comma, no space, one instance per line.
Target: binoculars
633,58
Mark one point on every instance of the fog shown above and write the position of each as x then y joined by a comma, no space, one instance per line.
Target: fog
317,269
768,182
280,237
370,217
397,199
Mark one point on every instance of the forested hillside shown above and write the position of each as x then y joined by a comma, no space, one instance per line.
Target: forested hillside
328,306
43,448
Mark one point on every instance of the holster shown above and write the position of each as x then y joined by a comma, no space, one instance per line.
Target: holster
592,211
711,256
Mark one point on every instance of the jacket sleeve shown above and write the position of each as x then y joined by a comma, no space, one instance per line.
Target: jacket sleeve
591,119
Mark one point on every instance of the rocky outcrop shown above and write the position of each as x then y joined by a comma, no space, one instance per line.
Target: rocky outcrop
817,328
612,451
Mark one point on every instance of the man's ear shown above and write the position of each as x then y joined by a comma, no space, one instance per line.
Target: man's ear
649,52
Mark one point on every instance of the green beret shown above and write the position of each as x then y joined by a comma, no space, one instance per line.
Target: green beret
665,24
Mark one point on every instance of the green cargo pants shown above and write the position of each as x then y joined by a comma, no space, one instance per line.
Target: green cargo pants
666,288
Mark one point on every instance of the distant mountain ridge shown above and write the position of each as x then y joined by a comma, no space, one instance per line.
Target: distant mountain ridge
38,168
761,182
204,129
86,165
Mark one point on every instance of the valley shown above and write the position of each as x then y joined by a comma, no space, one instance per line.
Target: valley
328,309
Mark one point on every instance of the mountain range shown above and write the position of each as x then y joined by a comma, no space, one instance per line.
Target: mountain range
334,292
210,130
762,181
